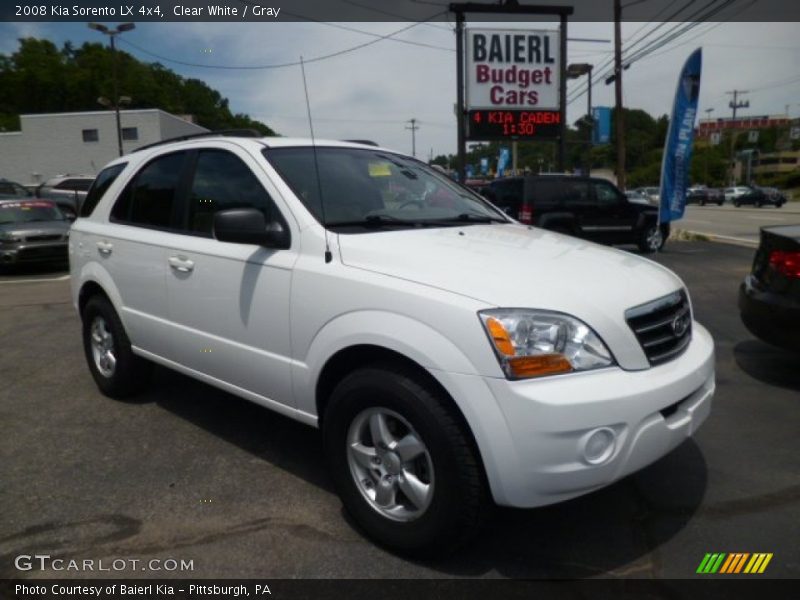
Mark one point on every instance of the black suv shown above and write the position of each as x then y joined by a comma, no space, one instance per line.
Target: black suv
585,207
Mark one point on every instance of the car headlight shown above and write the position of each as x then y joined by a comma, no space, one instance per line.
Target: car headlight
7,238
532,343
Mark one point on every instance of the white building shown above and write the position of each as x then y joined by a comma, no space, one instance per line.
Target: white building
81,142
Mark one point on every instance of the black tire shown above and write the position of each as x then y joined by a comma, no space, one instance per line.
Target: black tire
648,242
737,204
702,202
131,373
720,203
459,499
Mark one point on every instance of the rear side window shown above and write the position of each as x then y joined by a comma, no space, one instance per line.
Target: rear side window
576,193
544,192
149,200
221,182
104,180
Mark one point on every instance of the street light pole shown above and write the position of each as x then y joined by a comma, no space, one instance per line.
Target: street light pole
112,33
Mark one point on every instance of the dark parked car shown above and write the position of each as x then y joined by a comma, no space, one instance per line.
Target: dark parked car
702,195
32,230
748,194
585,207
769,297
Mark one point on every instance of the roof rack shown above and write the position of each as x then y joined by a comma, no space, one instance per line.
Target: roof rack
249,133
365,142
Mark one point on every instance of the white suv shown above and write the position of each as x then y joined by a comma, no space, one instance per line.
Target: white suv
450,355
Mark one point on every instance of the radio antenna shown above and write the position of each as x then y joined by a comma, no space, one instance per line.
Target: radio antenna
328,255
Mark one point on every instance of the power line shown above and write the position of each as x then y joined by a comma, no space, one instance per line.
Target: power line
279,65
599,69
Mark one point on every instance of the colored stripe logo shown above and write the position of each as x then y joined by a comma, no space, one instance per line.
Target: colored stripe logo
734,563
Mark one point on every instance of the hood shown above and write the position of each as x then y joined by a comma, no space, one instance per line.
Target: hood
35,228
520,267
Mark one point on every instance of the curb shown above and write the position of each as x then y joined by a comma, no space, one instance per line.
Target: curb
725,239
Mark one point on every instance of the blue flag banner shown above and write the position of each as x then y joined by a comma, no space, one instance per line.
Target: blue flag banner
601,133
680,140
502,161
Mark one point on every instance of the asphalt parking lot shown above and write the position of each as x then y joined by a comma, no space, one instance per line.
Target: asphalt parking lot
187,472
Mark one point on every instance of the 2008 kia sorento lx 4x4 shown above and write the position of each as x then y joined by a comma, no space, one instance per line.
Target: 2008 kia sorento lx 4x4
450,355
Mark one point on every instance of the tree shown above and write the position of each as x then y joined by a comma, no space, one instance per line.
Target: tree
39,77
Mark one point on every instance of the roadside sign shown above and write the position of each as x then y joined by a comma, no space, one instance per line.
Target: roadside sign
794,133
512,84
752,137
715,138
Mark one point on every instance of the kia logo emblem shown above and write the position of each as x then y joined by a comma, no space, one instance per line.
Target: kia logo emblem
680,324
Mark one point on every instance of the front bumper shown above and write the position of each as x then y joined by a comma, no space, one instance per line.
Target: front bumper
533,434
771,317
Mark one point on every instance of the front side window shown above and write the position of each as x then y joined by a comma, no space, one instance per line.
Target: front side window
103,181
605,194
149,200
222,181
368,188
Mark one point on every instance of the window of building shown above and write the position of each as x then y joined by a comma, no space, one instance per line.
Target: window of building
90,135
130,133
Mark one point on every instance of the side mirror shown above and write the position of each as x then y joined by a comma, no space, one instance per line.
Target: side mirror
248,226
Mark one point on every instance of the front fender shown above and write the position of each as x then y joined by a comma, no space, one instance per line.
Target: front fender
417,341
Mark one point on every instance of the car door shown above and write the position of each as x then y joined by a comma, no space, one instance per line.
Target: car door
132,247
229,303
613,218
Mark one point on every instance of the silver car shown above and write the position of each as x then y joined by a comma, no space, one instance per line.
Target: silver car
68,191
32,231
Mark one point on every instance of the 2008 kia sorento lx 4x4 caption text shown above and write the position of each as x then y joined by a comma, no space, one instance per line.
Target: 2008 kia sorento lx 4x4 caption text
451,356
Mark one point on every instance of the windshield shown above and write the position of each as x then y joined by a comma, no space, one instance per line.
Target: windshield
364,188
26,212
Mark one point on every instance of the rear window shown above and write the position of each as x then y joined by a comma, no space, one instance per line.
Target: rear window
104,180
149,200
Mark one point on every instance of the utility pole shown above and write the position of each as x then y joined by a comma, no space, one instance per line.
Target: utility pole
620,120
708,149
413,129
734,105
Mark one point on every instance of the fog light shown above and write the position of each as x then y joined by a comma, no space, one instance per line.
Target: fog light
599,445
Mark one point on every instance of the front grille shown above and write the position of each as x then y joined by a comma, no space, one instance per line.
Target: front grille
43,238
43,253
663,326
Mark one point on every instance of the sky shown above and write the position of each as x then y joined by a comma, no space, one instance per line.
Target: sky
372,92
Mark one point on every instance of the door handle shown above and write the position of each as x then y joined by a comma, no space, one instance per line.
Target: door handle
182,264
105,247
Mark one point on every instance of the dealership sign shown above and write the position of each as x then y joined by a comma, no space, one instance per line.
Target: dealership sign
512,83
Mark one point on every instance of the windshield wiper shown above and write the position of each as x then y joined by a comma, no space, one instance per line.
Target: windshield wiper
469,217
373,221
